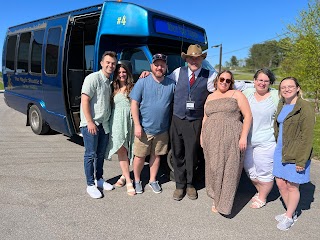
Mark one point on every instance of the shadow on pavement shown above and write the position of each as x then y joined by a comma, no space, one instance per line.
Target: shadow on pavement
245,192
76,139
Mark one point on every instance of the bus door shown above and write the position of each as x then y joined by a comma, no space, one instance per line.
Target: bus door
52,76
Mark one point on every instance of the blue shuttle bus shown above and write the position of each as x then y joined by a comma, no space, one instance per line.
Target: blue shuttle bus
45,61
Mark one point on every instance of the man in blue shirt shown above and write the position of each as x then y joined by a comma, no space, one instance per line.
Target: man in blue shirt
150,107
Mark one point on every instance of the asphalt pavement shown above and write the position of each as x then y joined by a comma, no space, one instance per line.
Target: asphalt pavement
43,196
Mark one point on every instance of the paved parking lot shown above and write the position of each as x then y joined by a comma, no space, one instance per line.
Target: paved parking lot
43,196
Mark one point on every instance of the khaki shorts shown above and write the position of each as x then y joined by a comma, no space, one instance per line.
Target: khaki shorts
151,144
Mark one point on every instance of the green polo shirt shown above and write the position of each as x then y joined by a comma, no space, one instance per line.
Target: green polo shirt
97,86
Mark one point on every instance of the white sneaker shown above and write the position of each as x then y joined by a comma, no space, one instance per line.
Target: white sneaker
104,185
280,217
285,224
94,192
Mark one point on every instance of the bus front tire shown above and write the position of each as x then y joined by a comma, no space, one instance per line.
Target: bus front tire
37,124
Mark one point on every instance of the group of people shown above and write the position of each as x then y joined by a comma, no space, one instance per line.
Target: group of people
267,132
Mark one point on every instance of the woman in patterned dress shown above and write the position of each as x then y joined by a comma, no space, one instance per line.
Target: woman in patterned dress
223,138
121,130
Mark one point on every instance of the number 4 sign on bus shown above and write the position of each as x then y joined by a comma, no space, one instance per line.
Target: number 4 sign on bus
122,20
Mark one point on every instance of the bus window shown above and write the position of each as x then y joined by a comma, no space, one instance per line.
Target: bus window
52,50
36,51
138,61
11,53
89,55
23,52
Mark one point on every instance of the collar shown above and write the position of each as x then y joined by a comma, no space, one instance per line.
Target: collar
196,73
103,77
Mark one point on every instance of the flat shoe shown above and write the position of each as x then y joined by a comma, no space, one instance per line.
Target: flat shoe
257,203
121,182
255,197
130,189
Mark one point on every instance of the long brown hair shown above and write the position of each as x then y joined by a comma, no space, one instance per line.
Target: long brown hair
116,82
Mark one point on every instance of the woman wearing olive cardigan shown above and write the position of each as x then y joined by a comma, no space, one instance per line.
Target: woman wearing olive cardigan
293,130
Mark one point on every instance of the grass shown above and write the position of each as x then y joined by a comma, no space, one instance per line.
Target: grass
243,76
316,139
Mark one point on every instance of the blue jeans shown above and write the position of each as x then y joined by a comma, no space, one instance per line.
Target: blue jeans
95,149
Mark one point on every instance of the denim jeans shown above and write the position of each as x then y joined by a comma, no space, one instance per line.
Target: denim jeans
95,149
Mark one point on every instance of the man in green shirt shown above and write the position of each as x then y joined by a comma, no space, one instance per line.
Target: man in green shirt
95,111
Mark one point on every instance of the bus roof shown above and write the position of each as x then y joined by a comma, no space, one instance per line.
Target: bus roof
129,19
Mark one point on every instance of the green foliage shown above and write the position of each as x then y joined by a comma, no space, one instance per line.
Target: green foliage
243,76
1,86
316,139
234,61
268,54
302,59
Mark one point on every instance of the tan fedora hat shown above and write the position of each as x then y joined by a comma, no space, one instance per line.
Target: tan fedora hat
194,51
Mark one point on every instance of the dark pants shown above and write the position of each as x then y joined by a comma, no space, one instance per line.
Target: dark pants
185,145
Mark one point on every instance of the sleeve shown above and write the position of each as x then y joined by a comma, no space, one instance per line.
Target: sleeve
136,92
210,83
307,126
247,92
89,86
175,75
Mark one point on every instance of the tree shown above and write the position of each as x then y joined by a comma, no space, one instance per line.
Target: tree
267,54
234,61
303,57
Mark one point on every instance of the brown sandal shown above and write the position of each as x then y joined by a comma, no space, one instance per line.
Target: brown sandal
130,189
121,182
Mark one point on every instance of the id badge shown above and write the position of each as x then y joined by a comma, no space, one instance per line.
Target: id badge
190,105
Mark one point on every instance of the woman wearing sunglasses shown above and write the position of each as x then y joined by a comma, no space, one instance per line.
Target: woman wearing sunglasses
293,128
224,138
258,162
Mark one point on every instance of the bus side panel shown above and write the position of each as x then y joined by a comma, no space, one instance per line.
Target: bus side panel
52,76
21,87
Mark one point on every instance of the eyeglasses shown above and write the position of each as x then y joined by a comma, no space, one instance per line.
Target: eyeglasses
223,79
289,87
263,81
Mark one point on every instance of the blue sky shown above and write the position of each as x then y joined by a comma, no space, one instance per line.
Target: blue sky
236,24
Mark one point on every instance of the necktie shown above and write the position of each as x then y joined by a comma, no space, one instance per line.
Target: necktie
192,79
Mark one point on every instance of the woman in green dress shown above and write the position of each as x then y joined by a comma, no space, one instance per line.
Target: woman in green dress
121,125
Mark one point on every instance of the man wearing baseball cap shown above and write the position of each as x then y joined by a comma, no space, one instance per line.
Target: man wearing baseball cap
151,102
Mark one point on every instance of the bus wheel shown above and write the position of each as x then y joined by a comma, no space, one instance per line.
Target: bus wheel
170,165
38,125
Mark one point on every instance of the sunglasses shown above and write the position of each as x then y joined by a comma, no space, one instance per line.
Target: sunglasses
223,79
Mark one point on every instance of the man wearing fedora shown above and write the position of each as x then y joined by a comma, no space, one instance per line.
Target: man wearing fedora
193,85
